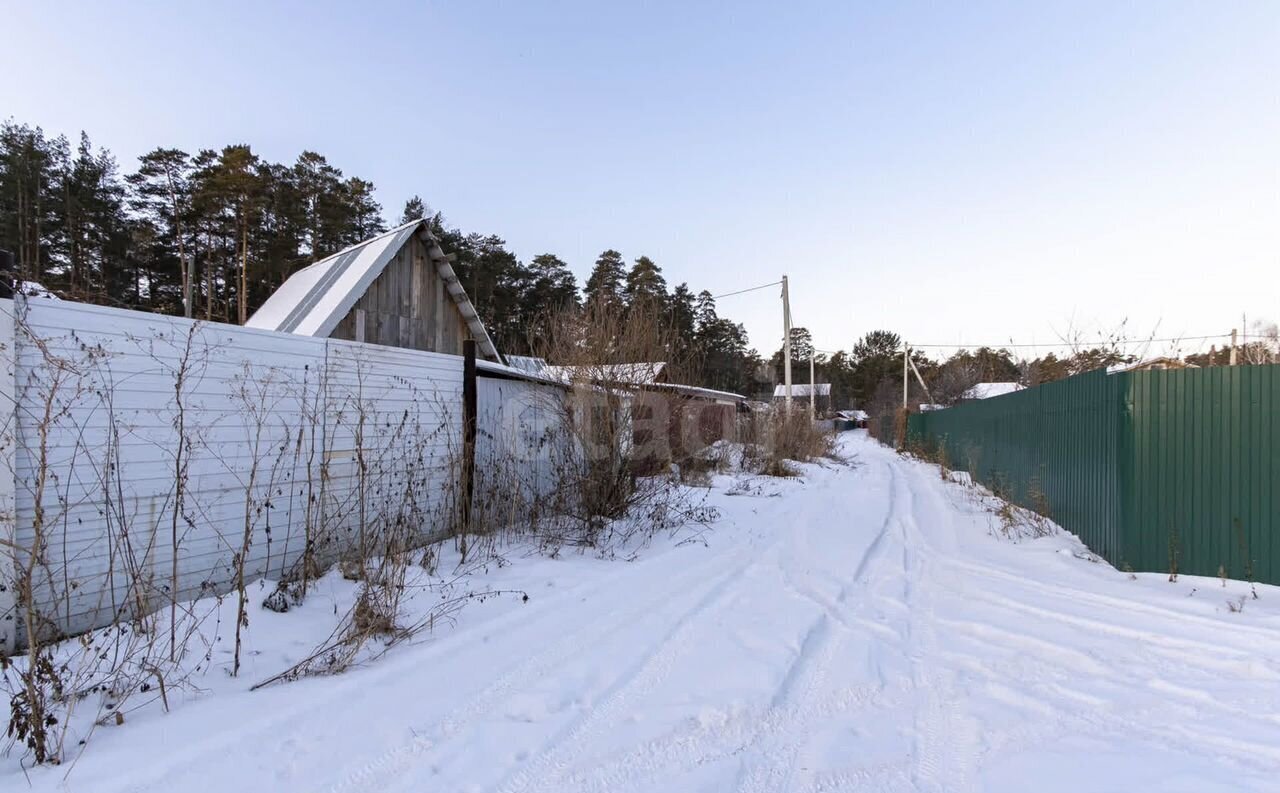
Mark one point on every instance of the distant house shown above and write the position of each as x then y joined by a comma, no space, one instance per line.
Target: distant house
800,392
851,419
713,413
1152,364
397,289
988,390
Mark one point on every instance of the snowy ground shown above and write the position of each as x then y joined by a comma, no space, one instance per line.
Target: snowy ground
858,628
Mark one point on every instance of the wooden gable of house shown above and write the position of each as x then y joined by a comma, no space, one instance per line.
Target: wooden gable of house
408,305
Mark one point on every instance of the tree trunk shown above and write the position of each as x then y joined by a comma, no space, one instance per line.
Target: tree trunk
243,297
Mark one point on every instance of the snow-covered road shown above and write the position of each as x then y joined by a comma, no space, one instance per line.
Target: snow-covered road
856,629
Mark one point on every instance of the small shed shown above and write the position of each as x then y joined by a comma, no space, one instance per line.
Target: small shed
396,289
801,391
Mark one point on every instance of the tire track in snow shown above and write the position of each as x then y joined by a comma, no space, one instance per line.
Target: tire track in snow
773,766
946,738
1208,656
1035,685
775,735
1075,595
1152,724
712,738
566,749
1160,725
381,771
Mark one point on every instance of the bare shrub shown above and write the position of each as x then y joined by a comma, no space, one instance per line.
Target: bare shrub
616,424
772,439
59,687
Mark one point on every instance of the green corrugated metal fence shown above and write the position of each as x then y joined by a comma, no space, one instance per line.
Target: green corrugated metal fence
1146,467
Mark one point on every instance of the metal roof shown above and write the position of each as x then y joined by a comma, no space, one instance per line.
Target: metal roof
628,374
988,390
312,301
801,390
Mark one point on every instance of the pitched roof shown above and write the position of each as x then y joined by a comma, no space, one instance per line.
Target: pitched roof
801,390
312,301
630,374
698,391
988,390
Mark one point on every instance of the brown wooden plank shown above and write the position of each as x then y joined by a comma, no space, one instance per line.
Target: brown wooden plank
439,309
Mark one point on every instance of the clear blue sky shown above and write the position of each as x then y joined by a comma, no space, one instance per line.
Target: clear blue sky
957,172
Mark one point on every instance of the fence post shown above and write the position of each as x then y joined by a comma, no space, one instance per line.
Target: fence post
8,481
468,429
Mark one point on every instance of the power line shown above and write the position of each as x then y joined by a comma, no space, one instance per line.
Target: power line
748,289
1100,342
1061,345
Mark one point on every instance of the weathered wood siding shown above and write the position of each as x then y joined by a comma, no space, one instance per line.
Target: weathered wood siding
407,306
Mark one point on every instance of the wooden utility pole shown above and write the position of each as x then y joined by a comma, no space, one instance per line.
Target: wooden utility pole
786,341
920,379
813,390
906,359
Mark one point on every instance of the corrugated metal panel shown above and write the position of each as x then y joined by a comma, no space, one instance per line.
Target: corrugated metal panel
519,443
1149,468
98,434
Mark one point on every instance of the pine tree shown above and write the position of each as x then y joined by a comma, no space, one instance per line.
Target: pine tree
323,213
160,199
278,246
90,233
414,209
363,215
876,357
551,290
645,285
240,188
604,285
26,178
554,287
682,319
705,312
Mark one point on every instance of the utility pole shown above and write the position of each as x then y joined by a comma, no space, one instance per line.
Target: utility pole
920,379
786,341
813,390
1233,347
906,359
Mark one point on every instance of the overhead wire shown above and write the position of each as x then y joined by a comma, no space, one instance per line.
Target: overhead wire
1023,345
1061,345
748,289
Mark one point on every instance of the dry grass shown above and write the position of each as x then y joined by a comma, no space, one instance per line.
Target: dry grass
774,440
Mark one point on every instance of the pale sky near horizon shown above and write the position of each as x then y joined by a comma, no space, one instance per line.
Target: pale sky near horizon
958,173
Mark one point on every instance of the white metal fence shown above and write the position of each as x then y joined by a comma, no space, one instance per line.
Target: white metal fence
146,454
